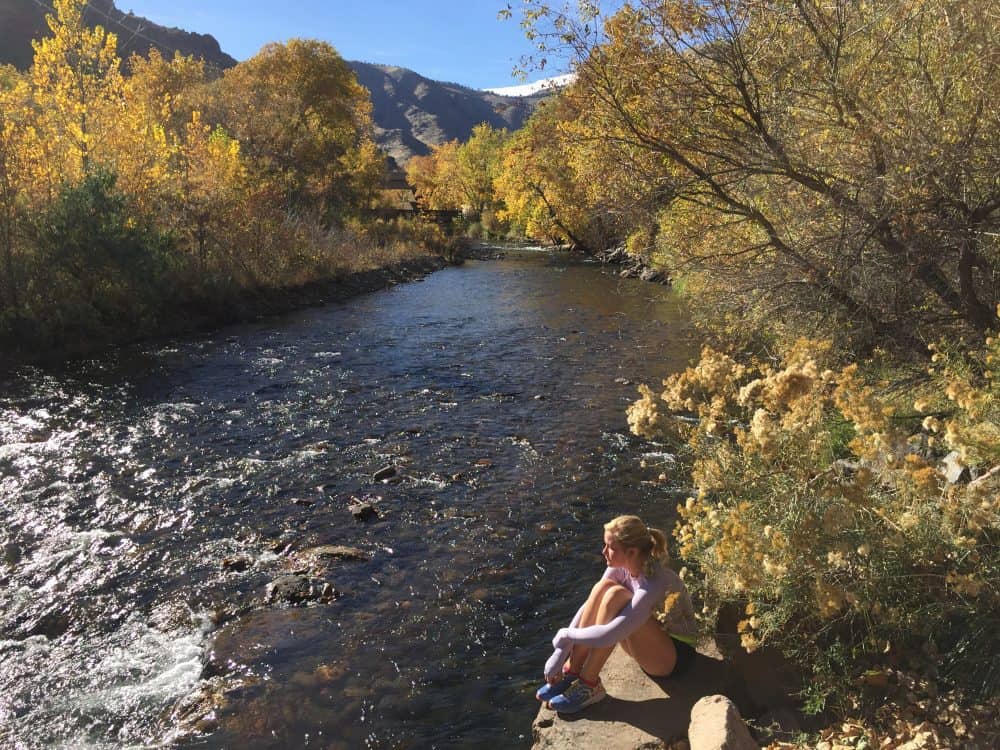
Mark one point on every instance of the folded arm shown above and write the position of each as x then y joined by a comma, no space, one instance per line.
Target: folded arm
554,665
631,618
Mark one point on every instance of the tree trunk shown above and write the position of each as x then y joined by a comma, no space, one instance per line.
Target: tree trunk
977,313
8,282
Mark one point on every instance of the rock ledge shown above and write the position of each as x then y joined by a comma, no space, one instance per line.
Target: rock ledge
640,712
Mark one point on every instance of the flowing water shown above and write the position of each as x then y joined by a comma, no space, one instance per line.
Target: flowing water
150,496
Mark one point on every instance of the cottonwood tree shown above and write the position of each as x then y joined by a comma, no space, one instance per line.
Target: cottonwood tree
209,183
541,192
478,165
434,177
304,123
460,175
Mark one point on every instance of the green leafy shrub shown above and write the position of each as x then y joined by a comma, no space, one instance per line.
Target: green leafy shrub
98,266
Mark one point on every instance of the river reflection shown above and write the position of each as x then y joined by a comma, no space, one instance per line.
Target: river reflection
150,497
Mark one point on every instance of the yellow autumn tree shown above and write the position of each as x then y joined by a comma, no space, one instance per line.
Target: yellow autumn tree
78,88
460,175
152,137
540,183
167,91
13,116
830,161
478,164
434,177
208,185
304,123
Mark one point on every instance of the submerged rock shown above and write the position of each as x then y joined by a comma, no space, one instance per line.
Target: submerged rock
237,563
52,623
11,554
199,711
363,511
298,589
335,552
318,560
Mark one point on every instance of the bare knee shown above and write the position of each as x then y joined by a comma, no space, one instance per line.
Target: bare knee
613,601
601,586
599,590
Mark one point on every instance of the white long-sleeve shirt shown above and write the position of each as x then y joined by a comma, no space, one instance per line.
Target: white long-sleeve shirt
648,593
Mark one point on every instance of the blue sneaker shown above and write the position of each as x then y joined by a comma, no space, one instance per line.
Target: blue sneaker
549,691
578,696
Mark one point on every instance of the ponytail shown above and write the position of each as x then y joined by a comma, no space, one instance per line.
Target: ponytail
658,554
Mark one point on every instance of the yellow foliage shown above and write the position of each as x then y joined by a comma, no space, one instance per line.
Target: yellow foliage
435,177
818,501
797,166
77,88
210,186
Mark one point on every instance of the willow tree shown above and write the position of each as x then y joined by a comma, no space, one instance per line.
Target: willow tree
832,164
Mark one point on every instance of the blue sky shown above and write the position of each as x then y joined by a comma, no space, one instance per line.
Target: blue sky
449,40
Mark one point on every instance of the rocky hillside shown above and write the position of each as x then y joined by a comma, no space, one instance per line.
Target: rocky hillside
412,113
24,20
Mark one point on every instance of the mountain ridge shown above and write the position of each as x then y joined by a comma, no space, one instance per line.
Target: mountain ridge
24,20
411,113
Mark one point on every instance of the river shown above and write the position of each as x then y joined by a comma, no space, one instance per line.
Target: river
149,497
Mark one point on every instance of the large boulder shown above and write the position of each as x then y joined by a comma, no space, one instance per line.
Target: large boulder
716,724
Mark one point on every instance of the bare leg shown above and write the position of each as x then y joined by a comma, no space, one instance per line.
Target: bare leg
578,655
614,601
652,648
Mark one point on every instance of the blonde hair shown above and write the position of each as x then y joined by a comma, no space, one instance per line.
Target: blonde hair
630,531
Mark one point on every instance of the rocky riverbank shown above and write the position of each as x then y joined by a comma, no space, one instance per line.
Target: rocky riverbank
702,710
688,712
631,266
246,306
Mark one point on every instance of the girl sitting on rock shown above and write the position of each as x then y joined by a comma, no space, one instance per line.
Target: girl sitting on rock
619,610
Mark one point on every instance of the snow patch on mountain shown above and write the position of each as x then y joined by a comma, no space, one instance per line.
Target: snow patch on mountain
529,89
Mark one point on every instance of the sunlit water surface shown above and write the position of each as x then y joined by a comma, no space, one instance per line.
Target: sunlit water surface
498,390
